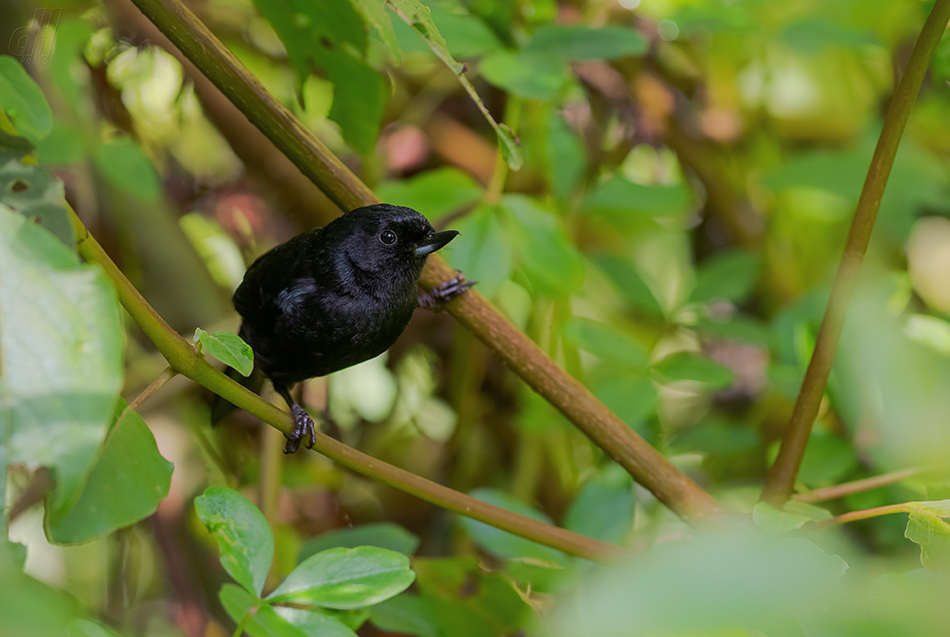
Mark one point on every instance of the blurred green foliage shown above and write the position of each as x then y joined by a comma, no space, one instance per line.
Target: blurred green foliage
689,173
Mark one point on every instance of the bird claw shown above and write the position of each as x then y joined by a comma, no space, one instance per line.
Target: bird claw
303,427
441,294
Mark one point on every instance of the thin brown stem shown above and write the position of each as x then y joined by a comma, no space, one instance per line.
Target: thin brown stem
781,478
857,486
854,516
167,374
647,465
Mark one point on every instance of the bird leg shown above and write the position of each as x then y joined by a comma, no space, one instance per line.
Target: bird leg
441,294
303,423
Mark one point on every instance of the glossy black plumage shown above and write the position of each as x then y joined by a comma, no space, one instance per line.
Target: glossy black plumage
333,297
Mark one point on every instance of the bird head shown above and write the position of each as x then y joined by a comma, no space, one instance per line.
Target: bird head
387,239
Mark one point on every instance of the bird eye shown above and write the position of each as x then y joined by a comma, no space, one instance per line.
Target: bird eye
388,237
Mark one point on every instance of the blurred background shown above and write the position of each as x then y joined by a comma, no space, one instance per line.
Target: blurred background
690,171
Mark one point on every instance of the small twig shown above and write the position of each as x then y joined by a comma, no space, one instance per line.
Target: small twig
854,516
781,478
857,486
167,374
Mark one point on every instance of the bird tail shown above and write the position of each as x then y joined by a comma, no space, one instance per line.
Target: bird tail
221,407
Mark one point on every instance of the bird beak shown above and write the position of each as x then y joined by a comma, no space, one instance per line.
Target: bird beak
436,241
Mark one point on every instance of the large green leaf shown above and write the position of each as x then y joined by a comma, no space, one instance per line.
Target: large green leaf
244,539
34,192
23,100
126,484
346,578
728,584
630,284
690,366
331,37
29,607
576,42
61,342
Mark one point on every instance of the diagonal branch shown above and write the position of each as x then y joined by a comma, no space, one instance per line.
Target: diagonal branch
781,478
647,465
182,358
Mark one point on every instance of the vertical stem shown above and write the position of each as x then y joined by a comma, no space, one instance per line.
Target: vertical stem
272,455
781,477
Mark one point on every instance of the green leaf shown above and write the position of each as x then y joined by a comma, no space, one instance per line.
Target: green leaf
465,35
330,36
729,275
23,100
126,484
434,193
467,601
604,341
502,543
35,193
483,250
778,522
216,248
374,13
715,435
814,35
929,530
629,394
534,76
546,253
603,508
689,366
405,614
314,623
737,583
418,16
567,157
618,198
265,622
125,166
577,42
828,459
63,146
385,535
630,284
29,607
244,539
228,348
61,342
82,627
346,578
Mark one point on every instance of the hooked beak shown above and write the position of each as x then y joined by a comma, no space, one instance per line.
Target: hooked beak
436,241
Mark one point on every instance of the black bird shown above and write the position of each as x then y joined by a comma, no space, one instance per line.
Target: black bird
333,297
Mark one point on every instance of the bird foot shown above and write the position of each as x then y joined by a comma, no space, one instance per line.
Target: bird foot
303,427
437,296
